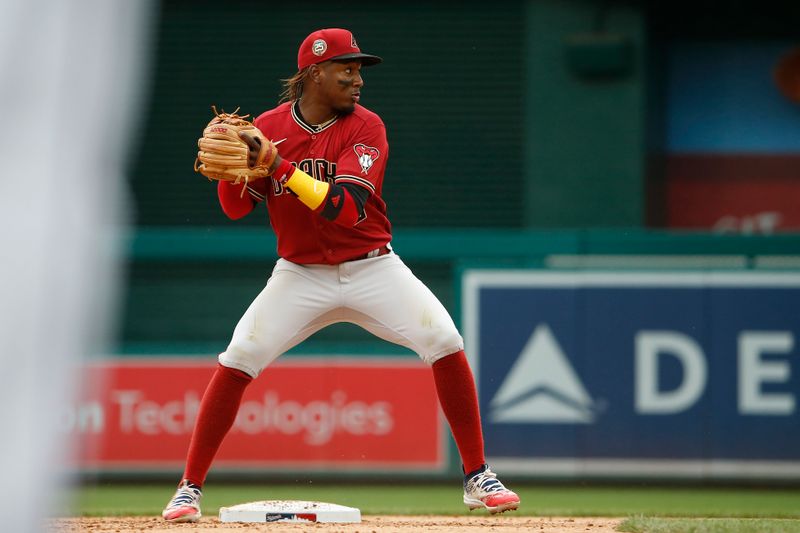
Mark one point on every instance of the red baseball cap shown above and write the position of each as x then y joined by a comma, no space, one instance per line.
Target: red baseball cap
331,43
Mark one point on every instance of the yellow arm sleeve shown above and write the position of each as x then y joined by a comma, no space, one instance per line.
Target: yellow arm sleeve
310,191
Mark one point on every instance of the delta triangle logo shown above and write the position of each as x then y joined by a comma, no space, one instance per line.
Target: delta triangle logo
542,387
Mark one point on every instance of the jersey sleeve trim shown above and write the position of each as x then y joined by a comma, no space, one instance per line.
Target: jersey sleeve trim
356,180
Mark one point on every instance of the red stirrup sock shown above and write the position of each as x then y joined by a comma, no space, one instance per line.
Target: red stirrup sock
215,418
455,386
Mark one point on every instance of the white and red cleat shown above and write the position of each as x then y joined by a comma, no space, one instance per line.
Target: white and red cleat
185,505
483,489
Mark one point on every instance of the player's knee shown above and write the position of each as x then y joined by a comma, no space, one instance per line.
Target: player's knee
247,357
444,344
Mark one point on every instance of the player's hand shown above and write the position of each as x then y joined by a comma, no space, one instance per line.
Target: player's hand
233,149
261,152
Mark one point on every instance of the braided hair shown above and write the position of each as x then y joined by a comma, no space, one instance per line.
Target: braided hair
293,86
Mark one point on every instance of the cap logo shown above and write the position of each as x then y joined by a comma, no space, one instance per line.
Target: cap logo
353,41
319,47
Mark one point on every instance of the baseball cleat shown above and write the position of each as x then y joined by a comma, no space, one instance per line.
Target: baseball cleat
185,505
483,489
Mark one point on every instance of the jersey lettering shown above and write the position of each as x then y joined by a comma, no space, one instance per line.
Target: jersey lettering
324,170
330,155
319,169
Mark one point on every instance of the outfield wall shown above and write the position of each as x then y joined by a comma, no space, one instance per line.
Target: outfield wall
542,136
188,287
598,355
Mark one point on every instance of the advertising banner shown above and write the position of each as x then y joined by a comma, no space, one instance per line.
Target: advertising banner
342,414
733,193
637,374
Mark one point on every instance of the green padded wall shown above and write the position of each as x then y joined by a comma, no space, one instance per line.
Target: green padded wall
480,133
449,92
585,148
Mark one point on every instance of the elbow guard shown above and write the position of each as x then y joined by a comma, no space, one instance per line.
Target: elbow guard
345,204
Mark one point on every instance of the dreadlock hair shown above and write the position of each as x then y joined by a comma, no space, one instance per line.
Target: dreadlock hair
293,86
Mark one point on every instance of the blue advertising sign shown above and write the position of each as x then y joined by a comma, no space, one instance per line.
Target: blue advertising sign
683,374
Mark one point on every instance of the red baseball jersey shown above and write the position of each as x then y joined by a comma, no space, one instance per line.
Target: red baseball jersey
350,149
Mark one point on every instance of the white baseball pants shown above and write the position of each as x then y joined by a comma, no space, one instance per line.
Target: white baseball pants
380,294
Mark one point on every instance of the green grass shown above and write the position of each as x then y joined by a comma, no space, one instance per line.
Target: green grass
434,498
709,525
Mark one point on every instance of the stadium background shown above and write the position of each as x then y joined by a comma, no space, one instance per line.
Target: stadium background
554,135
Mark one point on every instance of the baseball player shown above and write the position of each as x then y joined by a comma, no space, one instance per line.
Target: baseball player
325,204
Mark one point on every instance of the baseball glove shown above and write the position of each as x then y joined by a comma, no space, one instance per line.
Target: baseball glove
233,149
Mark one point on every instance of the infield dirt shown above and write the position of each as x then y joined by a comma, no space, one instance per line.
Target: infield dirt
369,524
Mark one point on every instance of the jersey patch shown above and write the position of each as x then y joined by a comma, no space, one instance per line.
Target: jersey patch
366,156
